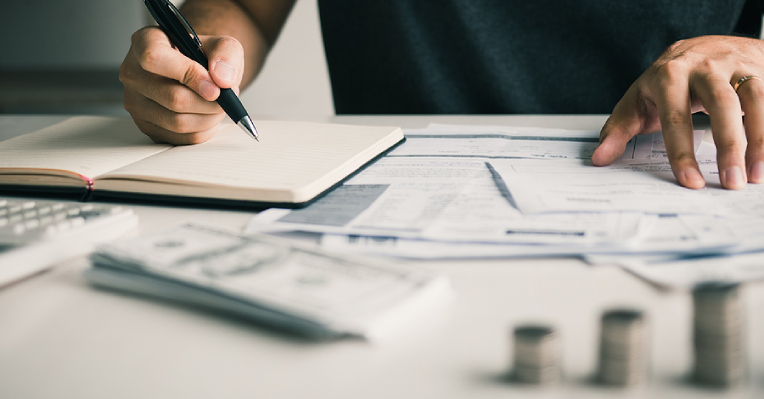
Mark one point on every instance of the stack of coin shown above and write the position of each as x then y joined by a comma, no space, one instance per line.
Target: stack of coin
536,355
718,337
623,352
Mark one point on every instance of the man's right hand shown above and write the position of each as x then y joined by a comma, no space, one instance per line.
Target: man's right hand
171,97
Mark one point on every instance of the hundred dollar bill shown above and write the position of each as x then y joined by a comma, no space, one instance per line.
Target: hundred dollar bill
271,280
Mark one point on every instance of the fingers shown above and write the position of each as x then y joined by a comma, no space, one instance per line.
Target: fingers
697,75
626,121
660,99
171,97
724,109
161,135
751,96
171,94
674,106
165,126
146,109
155,55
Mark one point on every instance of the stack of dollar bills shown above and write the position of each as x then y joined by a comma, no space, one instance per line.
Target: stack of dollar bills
275,282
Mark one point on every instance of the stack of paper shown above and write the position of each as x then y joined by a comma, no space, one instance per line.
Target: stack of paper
309,291
467,192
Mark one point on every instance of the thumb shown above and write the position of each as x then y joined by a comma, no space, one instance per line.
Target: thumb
226,60
152,50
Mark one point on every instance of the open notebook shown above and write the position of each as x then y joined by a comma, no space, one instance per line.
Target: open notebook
100,158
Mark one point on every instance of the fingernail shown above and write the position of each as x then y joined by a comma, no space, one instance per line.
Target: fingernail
207,90
693,179
225,71
733,178
757,172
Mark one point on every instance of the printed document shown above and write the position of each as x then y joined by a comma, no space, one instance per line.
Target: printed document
482,192
542,187
437,186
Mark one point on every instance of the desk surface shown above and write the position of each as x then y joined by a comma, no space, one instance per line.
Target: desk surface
61,338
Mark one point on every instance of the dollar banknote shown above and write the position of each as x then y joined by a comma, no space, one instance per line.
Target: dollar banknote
269,279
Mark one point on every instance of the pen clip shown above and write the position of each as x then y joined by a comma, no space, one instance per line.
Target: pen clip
185,23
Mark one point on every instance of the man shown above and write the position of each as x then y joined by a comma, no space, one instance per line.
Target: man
489,56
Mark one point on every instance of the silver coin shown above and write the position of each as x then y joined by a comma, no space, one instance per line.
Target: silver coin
536,359
623,358
717,335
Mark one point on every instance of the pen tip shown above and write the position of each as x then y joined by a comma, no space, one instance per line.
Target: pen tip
246,124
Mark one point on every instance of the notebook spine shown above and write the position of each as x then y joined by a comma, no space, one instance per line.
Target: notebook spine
89,188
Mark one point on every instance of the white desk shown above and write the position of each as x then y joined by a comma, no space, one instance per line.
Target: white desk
59,338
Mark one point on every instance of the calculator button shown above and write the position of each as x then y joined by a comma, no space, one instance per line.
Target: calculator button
32,224
26,221
76,222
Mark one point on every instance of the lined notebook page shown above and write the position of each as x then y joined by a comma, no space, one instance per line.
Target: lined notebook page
88,146
290,156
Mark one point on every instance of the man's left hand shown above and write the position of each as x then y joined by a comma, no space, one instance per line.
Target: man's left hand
691,76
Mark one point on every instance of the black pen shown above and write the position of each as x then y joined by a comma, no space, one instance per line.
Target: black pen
185,39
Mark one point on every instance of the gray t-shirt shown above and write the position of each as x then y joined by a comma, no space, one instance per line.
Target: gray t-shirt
506,56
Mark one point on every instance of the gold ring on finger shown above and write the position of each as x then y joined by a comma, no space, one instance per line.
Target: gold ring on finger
743,80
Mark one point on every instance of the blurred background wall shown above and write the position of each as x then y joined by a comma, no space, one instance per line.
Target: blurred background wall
64,57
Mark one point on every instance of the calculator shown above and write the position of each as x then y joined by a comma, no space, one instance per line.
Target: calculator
37,234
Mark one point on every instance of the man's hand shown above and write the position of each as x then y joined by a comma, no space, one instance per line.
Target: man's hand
171,97
697,75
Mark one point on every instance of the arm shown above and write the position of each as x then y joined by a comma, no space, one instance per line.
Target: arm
170,97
